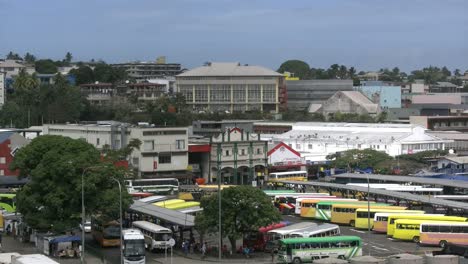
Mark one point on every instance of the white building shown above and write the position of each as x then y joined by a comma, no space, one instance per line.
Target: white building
315,140
2,89
13,67
163,153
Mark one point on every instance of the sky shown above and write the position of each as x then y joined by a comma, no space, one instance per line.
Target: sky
366,34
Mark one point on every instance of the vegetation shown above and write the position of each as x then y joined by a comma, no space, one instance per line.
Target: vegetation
244,208
358,159
52,197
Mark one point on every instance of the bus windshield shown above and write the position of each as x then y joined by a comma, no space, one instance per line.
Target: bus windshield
111,232
134,248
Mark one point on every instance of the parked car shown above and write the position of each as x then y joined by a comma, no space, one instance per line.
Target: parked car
87,226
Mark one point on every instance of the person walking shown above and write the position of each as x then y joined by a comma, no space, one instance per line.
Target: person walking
203,250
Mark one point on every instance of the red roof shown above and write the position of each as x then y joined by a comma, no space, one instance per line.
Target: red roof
235,129
281,144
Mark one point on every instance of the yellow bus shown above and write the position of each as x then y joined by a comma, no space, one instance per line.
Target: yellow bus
392,218
288,176
381,219
309,206
169,202
345,213
362,214
406,229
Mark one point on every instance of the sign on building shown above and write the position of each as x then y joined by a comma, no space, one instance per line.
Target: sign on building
284,155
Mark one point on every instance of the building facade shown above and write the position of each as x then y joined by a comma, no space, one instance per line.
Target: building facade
104,93
386,96
163,153
232,87
301,94
315,140
351,102
214,128
10,142
238,157
143,71
2,89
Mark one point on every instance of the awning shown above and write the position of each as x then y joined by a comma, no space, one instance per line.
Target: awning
65,239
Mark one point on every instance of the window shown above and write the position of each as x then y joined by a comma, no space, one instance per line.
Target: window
2,160
227,152
259,151
164,158
242,152
97,141
148,145
2,172
309,146
180,144
117,144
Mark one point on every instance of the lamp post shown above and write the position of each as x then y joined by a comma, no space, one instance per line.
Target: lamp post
368,214
83,216
120,210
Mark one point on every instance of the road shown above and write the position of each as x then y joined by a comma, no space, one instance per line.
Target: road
378,245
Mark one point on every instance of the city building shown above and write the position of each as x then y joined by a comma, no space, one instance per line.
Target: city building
315,140
2,89
103,93
143,71
282,157
238,157
386,96
453,164
10,143
266,127
444,87
302,94
163,153
441,123
459,140
214,128
351,102
232,87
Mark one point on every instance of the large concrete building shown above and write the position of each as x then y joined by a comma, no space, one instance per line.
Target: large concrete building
163,153
315,140
232,87
142,71
302,94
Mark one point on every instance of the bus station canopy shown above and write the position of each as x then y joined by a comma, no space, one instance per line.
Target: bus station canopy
167,215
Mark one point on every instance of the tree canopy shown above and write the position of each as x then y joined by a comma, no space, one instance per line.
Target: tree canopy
297,67
46,66
244,208
51,200
356,158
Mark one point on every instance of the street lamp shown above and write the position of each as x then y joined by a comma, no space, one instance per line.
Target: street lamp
368,214
120,210
83,211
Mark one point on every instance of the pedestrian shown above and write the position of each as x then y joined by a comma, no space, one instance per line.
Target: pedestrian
203,250
186,247
272,256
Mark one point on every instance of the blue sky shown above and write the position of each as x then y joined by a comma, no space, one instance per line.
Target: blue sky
367,34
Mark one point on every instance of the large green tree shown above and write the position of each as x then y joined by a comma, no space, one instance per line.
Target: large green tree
244,208
297,67
46,66
51,200
356,158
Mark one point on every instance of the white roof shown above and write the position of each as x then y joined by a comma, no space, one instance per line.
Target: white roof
150,226
132,234
229,69
292,228
458,159
11,64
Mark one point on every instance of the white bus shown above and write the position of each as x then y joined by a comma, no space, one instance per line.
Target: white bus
288,176
156,186
273,236
156,236
133,246
322,230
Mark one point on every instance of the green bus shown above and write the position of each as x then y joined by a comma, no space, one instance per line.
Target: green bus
303,250
8,202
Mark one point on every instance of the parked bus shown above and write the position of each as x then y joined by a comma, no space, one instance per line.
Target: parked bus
299,250
443,233
155,186
322,230
298,206
278,192
273,236
258,239
406,229
169,202
106,234
392,218
183,205
362,214
345,213
288,176
309,207
133,246
8,202
381,219
156,236
286,203
323,210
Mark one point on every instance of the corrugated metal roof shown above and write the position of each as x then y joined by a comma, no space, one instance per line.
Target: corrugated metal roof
229,69
167,215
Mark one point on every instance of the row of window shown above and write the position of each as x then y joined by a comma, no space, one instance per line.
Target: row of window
222,93
344,244
243,152
149,145
445,229
344,210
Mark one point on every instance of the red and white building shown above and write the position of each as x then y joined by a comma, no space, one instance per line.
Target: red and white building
284,158
10,142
